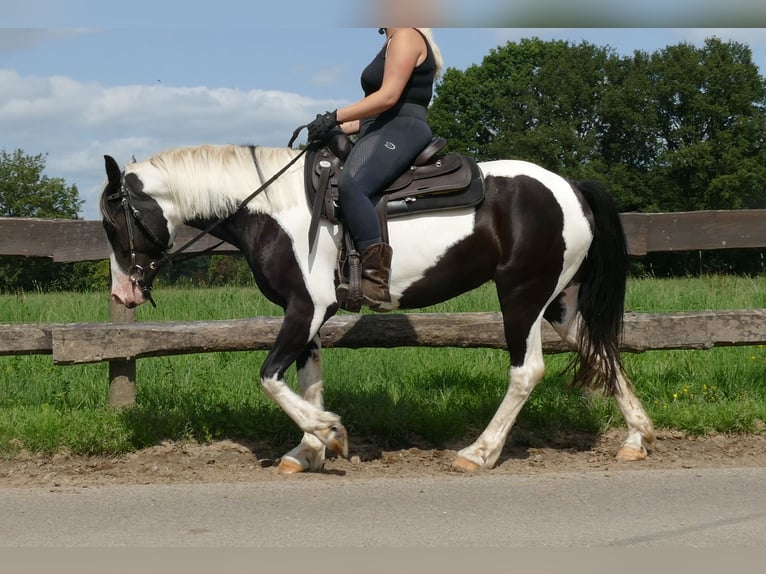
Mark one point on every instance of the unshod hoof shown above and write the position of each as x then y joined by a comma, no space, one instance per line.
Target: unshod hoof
287,467
630,454
464,465
338,441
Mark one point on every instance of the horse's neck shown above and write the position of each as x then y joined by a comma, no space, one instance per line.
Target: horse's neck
287,190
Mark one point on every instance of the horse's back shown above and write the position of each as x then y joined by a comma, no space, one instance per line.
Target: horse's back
512,169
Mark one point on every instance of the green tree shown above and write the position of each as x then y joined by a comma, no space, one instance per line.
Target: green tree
710,105
628,142
26,192
530,100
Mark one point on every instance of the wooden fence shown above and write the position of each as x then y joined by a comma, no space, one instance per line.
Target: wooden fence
122,340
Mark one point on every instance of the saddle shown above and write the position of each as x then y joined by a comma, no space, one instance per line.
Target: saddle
435,182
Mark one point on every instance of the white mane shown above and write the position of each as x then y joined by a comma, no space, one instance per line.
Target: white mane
210,181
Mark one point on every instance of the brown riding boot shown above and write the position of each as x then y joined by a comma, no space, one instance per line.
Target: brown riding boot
376,270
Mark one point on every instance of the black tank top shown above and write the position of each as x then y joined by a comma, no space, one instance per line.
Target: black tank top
419,88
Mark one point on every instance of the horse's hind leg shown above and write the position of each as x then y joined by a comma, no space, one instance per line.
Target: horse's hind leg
522,305
524,376
565,319
309,455
640,429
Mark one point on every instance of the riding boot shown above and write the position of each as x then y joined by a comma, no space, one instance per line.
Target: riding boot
376,270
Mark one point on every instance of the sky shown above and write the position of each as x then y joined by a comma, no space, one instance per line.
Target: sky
84,78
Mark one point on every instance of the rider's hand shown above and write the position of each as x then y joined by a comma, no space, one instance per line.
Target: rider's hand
322,125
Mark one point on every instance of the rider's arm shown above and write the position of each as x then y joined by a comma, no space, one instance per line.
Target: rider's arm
406,49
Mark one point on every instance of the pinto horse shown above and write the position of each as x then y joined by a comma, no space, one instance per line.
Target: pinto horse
554,248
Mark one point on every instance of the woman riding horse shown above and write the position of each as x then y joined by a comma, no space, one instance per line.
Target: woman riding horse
391,121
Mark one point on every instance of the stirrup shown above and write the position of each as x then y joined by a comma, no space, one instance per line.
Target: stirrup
346,300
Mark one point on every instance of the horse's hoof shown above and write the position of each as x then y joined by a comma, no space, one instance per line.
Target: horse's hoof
464,465
336,439
288,466
630,454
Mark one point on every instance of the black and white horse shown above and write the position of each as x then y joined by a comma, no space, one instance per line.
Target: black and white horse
554,248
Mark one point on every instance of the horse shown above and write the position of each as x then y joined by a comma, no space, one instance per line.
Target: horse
555,249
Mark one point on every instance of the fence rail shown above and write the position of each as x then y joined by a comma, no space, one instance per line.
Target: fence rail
80,343
66,240
122,341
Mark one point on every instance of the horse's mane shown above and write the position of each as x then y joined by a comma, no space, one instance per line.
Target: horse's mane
209,181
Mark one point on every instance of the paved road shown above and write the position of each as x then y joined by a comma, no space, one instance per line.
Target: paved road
699,508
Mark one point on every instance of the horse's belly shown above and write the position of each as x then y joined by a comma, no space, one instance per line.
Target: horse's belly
420,244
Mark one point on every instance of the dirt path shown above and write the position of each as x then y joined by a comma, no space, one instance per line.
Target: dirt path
229,461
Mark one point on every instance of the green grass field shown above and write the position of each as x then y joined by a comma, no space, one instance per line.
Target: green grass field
391,397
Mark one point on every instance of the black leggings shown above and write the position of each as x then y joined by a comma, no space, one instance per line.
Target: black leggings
386,148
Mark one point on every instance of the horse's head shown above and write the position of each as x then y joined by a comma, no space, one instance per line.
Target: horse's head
138,234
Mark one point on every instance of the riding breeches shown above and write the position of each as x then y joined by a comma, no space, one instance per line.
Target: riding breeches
387,146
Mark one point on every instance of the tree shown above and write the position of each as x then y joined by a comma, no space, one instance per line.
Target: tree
711,109
26,192
530,100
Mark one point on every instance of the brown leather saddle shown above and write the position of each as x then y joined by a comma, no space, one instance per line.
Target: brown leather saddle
435,182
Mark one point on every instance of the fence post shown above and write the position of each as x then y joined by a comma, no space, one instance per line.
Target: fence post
122,374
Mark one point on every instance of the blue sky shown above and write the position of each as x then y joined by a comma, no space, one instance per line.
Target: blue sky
80,79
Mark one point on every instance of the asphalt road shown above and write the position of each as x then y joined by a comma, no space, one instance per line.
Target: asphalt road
679,508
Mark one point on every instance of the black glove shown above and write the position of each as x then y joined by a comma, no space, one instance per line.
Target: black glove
322,125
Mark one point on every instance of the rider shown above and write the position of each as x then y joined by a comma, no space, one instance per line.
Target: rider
392,127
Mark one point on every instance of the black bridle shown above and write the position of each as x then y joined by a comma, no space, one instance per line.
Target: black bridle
136,272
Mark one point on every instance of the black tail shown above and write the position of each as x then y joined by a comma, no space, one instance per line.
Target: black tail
602,294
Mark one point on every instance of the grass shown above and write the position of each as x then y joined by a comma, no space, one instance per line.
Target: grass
391,397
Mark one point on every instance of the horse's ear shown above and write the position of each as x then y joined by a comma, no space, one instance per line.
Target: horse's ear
113,172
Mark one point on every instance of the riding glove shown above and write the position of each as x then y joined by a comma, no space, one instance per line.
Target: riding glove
322,125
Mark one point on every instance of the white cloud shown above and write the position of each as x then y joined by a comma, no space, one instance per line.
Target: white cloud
76,123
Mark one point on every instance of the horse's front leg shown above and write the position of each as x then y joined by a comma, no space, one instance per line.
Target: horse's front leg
307,410
309,455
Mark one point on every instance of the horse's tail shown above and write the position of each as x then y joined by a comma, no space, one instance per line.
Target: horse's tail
601,298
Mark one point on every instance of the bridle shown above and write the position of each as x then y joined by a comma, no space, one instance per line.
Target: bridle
133,215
